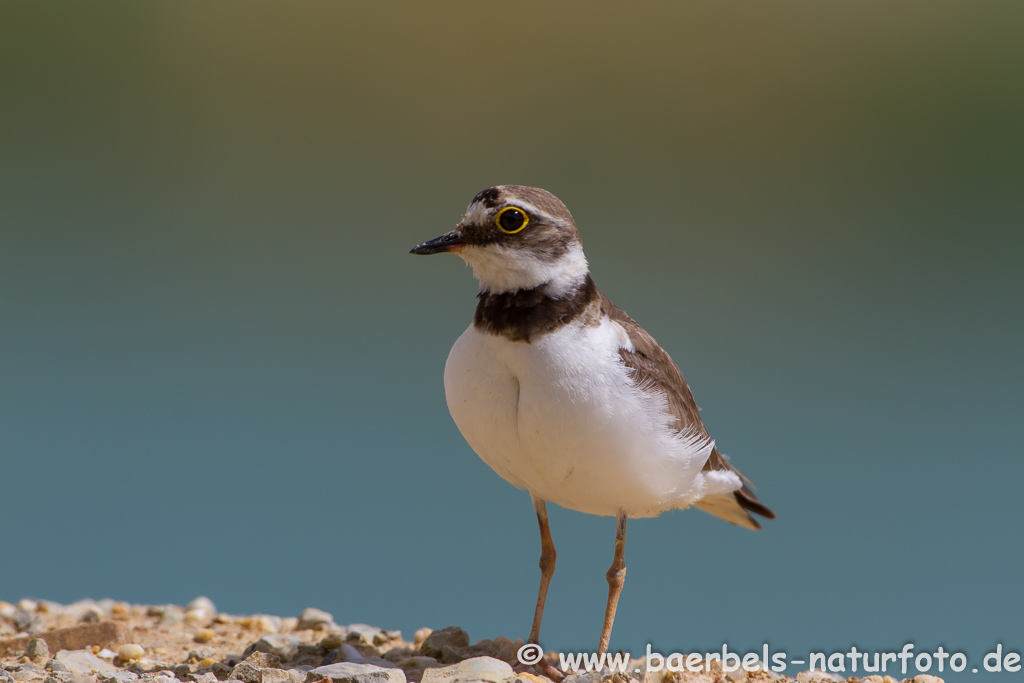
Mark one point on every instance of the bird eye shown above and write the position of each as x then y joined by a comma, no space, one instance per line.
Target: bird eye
511,220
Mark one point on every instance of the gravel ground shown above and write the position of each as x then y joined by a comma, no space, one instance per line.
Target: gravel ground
114,642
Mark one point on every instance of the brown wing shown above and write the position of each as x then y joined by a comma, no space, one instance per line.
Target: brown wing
653,367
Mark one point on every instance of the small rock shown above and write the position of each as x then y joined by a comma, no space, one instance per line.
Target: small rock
201,653
446,644
265,623
527,677
57,667
82,663
350,654
132,652
366,634
482,648
589,677
332,641
415,666
204,635
171,616
280,676
248,670
204,678
815,676
312,617
927,678
117,677
19,618
28,673
106,654
37,649
284,645
421,635
205,604
486,669
358,672
197,616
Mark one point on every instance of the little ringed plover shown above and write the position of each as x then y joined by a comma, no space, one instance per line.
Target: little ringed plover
563,394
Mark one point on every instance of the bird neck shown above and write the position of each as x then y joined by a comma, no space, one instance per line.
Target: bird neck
523,314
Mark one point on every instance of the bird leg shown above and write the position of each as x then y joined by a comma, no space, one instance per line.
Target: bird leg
547,570
547,565
616,577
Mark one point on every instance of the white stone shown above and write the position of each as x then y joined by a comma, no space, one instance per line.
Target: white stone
358,672
83,662
312,617
487,669
204,603
131,652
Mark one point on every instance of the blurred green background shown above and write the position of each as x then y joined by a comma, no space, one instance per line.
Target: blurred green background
220,370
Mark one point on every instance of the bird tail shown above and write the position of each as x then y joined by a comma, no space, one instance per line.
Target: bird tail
734,507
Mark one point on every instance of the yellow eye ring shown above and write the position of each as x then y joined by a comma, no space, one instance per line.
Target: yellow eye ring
511,218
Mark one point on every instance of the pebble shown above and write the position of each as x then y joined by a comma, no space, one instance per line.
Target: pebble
415,666
197,616
421,635
284,645
56,666
445,645
815,676
526,677
364,633
131,652
201,653
172,615
332,641
117,677
28,672
81,663
37,649
204,604
312,617
264,623
204,635
358,672
248,670
17,617
486,669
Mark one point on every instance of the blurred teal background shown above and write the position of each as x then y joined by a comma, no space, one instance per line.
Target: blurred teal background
220,370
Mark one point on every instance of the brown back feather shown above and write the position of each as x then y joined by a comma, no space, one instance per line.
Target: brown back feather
653,367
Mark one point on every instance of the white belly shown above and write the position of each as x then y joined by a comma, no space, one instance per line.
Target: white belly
562,418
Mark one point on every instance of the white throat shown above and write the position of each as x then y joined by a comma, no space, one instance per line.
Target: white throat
501,269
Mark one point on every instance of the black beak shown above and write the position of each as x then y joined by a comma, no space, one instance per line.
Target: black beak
450,241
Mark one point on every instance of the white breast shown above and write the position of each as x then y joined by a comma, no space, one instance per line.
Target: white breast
562,418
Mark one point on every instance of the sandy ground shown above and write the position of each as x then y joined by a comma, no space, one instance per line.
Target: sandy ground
115,642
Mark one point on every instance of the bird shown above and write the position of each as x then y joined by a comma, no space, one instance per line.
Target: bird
563,394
